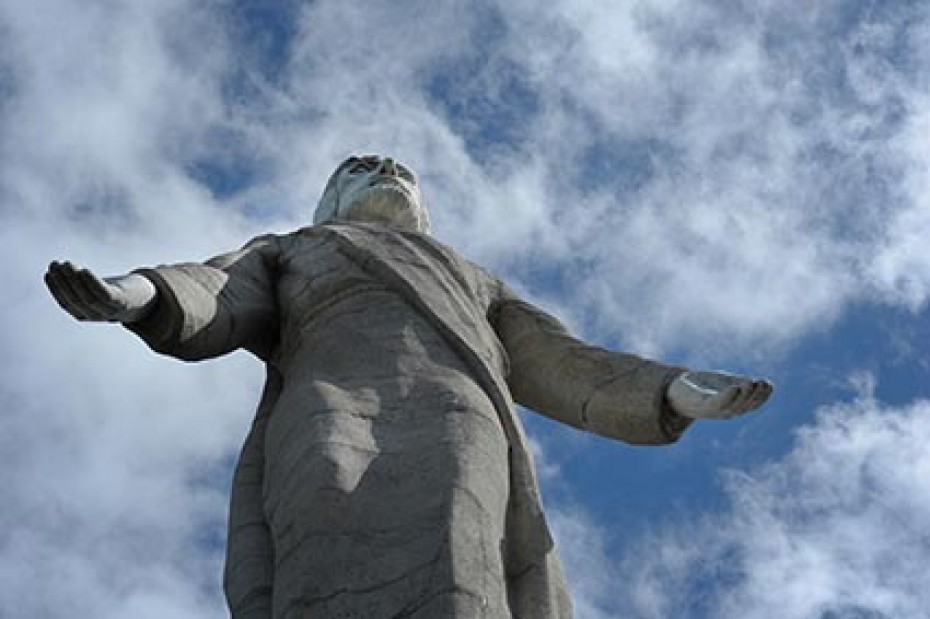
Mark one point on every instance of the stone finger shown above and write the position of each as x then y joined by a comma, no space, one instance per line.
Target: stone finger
755,396
69,269
97,290
60,270
750,398
92,305
60,287
81,304
728,401
57,289
761,393
745,403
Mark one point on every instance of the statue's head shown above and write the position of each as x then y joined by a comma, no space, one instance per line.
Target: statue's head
376,189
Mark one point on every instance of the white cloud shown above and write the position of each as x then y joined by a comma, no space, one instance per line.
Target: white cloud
693,171
688,170
114,499
583,551
772,136
834,529
901,270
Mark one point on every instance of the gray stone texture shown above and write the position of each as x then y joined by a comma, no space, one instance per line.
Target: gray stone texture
387,473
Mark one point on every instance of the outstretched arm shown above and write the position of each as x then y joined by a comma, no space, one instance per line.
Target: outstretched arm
614,394
84,295
189,311
611,393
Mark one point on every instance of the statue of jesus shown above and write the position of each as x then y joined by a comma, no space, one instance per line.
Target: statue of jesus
387,473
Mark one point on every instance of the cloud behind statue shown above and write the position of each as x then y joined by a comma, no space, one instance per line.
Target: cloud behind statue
721,186
386,472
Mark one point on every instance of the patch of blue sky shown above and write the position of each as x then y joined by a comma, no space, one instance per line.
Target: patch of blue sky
227,163
629,486
816,50
489,100
623,165
262,33
490,106
881,340
223,178
706,579
852,194
699,27
211,477
8,82
845,18
852,611
9,87
103,209
541,277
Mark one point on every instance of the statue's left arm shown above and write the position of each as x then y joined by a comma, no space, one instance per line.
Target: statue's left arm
615,394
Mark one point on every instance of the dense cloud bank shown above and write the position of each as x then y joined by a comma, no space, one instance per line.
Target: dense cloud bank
833,530
721,178
687,168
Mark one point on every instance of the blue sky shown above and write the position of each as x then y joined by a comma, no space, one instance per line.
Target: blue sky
729,184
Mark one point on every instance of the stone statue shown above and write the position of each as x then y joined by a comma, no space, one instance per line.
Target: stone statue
387,473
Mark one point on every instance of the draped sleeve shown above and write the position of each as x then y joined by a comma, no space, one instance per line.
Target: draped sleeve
204,310
614,394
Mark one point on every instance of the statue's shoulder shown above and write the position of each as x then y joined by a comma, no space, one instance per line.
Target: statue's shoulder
393,241
304,231
365,232
332,228
314,233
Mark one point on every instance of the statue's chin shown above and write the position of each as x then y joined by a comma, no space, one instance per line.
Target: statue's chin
383,204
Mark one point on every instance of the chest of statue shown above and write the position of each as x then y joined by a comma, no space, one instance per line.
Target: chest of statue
342,325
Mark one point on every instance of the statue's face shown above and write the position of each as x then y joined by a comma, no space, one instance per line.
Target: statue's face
374,189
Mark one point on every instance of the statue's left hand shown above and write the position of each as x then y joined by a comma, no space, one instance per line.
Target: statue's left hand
716,395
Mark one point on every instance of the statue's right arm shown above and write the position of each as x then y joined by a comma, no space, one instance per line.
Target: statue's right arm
189,310
86,296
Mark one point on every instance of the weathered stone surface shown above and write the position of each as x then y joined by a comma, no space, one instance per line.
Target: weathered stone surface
387,473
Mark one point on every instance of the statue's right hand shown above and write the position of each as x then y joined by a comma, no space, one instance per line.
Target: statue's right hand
111,299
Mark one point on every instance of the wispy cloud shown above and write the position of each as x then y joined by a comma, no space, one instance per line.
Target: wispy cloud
663,173
831,530
692,170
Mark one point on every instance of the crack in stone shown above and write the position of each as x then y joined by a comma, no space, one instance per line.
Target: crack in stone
416,605
307,602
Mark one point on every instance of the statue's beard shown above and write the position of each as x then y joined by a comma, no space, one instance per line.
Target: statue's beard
384,202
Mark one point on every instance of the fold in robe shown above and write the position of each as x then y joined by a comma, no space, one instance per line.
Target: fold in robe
387,473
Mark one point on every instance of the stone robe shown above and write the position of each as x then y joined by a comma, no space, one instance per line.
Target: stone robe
387,473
